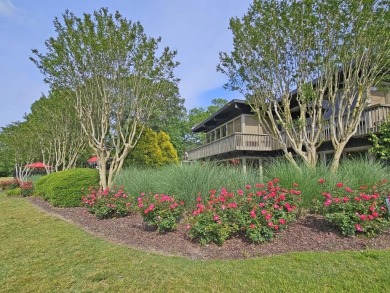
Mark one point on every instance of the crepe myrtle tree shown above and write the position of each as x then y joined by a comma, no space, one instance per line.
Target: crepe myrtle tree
296,60
57,127
19,147
116,76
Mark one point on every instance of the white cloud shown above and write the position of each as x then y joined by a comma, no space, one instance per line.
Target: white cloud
7,8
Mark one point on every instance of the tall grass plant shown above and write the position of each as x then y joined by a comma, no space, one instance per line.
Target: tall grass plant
185,181
352,172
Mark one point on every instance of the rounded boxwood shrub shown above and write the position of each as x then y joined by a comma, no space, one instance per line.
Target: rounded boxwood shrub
65,188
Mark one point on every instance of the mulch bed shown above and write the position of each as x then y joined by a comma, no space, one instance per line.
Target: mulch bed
310,233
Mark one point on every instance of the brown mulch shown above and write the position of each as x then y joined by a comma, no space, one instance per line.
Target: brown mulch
310,233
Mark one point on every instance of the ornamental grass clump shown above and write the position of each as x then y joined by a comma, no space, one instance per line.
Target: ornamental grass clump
358,211
160,211
107,203
255,213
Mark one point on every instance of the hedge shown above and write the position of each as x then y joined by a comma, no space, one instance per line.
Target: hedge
65,188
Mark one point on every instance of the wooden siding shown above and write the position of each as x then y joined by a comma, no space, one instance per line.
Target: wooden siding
371,119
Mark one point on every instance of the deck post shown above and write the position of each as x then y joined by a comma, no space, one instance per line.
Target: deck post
244,165
261,170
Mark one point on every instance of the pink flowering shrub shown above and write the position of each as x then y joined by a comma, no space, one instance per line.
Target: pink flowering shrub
362,210
255,213
160,211
107,203
9,184
26,188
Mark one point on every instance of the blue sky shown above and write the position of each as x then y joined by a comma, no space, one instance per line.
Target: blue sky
197,29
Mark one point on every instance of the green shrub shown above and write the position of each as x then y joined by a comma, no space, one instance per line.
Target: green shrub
66,188
14,191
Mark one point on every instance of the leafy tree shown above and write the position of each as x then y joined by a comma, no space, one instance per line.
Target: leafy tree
381,141
168,151
19,147
115,74
170,116
153,150
57,127
196,116
331,52
147,152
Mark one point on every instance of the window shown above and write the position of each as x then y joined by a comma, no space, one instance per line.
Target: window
237,125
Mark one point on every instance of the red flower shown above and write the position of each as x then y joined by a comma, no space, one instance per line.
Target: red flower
232,205
252,226
339,185
258,185
216,218
248,186
321,181
328,202
358,228
253,214
282,221
375,214
198,199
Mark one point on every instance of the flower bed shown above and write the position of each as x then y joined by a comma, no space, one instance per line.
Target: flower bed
256,213
362,210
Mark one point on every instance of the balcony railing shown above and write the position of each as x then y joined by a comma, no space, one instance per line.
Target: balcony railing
234,142
371,119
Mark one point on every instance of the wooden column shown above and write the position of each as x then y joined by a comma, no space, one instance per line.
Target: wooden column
261,170
243,165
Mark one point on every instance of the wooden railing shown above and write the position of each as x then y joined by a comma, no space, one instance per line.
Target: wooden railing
237,141
371,119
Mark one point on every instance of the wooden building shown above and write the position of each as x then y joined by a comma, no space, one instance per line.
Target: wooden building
234,135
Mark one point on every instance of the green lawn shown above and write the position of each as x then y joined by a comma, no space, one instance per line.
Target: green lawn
40,253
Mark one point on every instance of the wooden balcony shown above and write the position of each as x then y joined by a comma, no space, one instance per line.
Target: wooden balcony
371,119
234,142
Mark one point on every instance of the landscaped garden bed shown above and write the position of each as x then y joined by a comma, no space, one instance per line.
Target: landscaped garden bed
309,233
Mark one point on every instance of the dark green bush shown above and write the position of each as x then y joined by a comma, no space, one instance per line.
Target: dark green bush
65,188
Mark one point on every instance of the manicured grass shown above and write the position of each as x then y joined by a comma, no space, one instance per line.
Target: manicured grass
40,253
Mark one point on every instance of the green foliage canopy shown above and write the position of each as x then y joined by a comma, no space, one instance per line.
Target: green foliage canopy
116,75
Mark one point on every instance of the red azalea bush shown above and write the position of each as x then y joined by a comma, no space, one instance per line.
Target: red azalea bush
26,188
257,213
160,211
107,203
362,210
9,184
